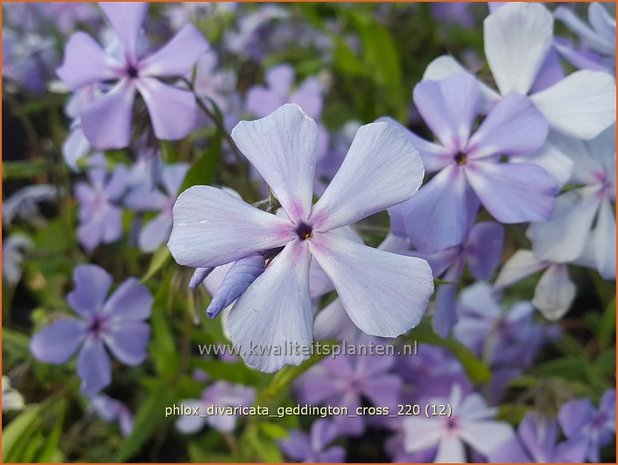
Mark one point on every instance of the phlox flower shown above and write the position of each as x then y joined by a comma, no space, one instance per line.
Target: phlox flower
468,163
99,214
518,47
24,203
583,227
13,249
343,381
472,423
480,252
598,38
580,420
11,397
537,441
554,292
115,324
315,446
384,294
143,199
106,122
505,338
110,410
221,394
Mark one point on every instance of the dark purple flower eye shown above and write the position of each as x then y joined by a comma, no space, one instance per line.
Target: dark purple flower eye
304,231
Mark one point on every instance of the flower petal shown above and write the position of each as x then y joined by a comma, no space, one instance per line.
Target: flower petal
107,121
85,62
513,192
282,147
177,57
271,323
92,283
128,340
450,450
485,436
449,107
521,265
581,105
213,227
551,159
130,301
380,170
513,126
563,238
604,237
518,37
155,232
93,367
236,281
58,341
126,19
173,111
384,294
434,156
436,217
333,322
484,249
554,292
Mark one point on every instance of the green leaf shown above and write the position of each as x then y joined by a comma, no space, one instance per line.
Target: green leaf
203,170
16,435
160,258
607,326
150,415
50,449
345,59
477,370
273,430
23,169
162,348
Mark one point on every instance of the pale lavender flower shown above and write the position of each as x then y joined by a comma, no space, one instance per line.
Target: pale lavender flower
115,324
510,338
598,38
100,217
431,373
554,292
453,13
518,44
472,423
143,199
537,441
384,294
316,446
342,381
480,251
221,394
263,100
107,121
13,248
212,83
24,203
583,227
11,397
579,419
468,163
110,410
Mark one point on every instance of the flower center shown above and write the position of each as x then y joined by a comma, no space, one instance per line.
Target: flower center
96,327
132,72
461,158
304,231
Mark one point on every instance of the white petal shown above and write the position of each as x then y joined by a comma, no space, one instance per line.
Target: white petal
564,236
384,294
282,147
554,292
380,170
485,436
581,105
521,265
275,314
450,450
212,227
605,241
517,39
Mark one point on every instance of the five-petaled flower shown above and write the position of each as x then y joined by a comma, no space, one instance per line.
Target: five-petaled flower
384,294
